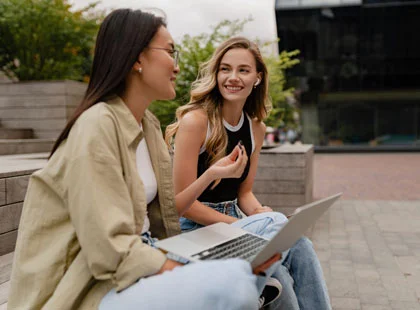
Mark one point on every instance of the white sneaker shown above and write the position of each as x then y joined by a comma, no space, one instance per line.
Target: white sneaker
271,292
261,302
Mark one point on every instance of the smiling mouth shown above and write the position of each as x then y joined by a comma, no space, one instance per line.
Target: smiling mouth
233,89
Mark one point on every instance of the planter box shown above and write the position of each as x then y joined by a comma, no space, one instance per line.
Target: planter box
284,179
43,106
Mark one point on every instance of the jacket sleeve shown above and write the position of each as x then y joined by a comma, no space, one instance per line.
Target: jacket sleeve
102,212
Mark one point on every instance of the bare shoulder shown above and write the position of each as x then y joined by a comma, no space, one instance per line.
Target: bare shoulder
194,120
258,128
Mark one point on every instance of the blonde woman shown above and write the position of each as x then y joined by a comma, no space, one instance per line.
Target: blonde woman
229,101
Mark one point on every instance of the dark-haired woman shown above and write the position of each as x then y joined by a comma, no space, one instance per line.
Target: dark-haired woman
91,214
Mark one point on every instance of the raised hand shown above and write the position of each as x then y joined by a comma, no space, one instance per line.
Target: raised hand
230,166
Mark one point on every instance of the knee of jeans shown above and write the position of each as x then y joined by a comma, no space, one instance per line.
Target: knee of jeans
304,248
278,217
242,298
235,288
235,294
274,217
304,242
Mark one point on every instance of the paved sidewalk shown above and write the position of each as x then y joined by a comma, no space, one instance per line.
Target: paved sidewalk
369,242
369,176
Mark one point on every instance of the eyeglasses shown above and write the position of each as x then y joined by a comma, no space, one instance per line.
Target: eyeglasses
173,52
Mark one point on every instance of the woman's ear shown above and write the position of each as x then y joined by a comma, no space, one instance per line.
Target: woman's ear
259,79
260,76
137,66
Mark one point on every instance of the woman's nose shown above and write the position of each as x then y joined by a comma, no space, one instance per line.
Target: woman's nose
233,76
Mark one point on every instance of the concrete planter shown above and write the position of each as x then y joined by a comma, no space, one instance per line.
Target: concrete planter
43,106
284,179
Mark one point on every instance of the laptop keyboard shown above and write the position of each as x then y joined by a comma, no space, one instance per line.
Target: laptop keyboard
245,247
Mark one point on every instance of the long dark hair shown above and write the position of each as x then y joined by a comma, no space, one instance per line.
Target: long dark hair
123,35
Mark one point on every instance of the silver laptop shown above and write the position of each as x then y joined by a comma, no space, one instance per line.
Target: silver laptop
222,241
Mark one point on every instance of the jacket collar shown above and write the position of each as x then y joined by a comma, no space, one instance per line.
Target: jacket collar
132,131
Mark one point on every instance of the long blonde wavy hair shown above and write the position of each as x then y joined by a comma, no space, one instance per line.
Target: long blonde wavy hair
205,95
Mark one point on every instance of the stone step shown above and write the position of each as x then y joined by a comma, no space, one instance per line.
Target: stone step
16,133
25,146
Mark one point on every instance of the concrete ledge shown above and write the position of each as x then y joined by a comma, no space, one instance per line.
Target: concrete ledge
25,146
16,133
284,177
15,171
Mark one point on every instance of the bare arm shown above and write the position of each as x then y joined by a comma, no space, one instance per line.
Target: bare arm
246,198
188,140
229,166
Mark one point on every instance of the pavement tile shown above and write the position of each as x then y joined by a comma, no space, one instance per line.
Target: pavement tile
374,299
343,288
345,303
374,290
402,305
375,307
372,235
400,249
409,265
398,289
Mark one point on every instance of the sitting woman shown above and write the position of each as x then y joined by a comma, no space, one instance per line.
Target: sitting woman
91,215
228,103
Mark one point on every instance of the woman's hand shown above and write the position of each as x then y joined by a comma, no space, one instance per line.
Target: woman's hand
262,209
260,270
169,265
230,166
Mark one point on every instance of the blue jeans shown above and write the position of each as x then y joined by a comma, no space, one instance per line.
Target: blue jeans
211,285
227,207
299,271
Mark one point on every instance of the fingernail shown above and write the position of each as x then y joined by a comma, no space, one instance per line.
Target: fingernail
240,142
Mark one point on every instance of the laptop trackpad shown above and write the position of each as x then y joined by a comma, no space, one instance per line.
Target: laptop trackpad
190,243
205,237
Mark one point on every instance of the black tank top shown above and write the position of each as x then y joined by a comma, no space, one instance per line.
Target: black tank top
227,189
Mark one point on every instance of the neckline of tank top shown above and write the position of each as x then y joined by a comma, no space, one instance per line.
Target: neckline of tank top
237,127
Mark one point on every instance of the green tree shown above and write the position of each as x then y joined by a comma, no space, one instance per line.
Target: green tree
282,112
194,50
45,39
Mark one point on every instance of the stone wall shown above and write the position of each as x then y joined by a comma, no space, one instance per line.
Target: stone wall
42,106
284,179
14,177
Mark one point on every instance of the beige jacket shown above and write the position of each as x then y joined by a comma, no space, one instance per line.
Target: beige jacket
79,230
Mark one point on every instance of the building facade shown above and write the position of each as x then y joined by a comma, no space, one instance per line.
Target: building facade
359,77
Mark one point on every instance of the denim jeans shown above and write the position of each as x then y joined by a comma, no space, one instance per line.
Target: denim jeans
210,285
227,207
299,271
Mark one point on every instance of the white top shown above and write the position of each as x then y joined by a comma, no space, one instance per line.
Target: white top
147,175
